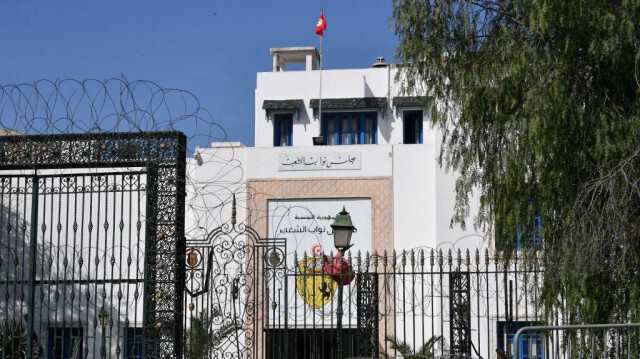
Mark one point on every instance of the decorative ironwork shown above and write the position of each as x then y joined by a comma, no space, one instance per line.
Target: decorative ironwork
459,302
91,150
367,304
92,227
230,291
253,297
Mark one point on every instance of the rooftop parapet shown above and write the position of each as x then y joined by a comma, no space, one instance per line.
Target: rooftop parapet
306,55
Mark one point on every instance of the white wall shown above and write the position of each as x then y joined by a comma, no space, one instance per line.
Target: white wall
414,197
423,193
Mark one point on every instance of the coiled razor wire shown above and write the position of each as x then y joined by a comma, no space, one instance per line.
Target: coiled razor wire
68,106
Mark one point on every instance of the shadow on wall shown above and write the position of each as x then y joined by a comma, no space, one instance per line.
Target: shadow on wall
384,125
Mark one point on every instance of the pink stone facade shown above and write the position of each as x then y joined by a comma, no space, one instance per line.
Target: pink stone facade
378,189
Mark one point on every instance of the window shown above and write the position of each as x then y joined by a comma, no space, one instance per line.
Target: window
134,344
350,128
530,346
282,129
64,343
412,121
528,239
527,236
134,340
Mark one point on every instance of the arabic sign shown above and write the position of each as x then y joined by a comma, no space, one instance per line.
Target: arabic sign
319,161
306,224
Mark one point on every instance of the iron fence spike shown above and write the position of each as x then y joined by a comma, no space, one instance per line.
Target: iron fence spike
374,260
366,262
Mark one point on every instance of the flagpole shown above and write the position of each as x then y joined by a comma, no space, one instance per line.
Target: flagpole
320,94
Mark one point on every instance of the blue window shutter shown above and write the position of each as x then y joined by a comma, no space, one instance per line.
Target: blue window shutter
360,130
289,131
349,128
282,129
374,129
61,342
323,130
277,131
134,342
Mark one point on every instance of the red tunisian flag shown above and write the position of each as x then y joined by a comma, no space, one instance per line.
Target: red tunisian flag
321,25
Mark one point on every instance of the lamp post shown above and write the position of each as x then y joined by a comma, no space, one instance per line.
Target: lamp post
103,318
342,231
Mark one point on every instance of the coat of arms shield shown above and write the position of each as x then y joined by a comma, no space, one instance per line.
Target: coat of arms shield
314,286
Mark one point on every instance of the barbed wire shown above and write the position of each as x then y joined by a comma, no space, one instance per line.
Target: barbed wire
49,107
71,106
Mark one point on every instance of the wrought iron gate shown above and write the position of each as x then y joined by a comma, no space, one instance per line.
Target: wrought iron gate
92,245
245,300
233,282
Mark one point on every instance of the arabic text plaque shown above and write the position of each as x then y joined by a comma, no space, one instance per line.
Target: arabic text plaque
319,161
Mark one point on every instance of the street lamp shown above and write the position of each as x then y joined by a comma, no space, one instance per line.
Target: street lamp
342,230
103,318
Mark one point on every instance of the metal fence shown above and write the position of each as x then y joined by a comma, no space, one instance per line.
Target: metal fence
91,245
94,263
257,300
579,341
421,301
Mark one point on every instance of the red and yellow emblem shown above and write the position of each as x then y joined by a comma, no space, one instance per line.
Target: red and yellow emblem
314,286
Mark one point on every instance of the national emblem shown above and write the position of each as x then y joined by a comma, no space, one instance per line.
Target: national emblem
314,286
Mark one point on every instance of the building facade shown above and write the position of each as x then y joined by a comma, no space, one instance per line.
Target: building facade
354,141
360,139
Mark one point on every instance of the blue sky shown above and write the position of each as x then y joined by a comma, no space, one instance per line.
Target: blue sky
210,48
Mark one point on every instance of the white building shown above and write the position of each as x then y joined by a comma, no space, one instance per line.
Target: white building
363,145
372,144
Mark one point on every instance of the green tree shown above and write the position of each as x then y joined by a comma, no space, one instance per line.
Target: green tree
403,348
13,340
203,338
538,103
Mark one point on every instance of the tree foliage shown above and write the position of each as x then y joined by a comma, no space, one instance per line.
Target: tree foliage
426,351
13,340
205,337
538,103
